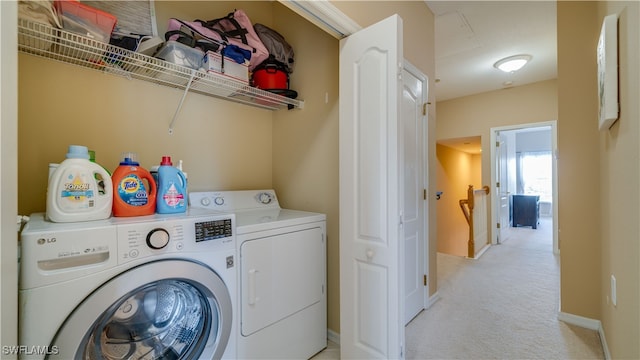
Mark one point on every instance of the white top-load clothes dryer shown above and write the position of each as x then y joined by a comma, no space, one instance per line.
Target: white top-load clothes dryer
147,287
282,274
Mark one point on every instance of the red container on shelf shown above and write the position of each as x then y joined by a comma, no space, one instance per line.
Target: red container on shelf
270,77
274,78
86,20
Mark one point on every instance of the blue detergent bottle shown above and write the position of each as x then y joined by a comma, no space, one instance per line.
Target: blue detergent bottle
172,188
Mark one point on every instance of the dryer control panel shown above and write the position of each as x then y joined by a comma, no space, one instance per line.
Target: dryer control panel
234,200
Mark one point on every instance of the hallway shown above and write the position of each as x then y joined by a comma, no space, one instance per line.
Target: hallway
502,306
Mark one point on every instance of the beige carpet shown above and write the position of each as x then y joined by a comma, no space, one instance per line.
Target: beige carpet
501,306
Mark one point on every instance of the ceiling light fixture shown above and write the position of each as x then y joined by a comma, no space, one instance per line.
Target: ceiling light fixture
512,63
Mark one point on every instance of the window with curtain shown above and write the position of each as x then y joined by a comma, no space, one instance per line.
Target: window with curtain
534,174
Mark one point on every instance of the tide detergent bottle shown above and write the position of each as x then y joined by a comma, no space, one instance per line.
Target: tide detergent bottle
134,191
74,192
172,188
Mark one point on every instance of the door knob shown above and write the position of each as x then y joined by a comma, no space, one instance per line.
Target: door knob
370,253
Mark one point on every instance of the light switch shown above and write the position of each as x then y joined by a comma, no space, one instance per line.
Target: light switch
614,299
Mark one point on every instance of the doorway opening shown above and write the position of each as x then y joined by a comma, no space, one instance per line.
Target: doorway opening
459,166
524,180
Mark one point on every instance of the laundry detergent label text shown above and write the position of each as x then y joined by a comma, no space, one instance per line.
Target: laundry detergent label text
77,192
132,191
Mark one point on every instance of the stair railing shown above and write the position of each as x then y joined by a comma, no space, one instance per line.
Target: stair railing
479,228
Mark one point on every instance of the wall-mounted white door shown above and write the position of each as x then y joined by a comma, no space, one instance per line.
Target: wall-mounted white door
371,196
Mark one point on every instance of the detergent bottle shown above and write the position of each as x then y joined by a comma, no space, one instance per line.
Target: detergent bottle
73,193
134,191
172,188
186,179
99,179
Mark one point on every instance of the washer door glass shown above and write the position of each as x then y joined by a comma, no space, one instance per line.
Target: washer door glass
166,319
167,309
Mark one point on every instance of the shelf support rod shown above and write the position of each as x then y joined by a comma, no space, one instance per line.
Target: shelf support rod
184,95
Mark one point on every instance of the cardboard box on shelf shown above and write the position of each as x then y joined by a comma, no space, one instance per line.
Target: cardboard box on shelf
212,62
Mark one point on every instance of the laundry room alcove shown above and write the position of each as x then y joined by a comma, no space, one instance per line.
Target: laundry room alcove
223,144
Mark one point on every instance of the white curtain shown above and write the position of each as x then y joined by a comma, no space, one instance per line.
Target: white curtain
534,174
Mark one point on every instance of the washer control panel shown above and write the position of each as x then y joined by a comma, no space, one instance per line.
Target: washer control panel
212,230
157,238
199,234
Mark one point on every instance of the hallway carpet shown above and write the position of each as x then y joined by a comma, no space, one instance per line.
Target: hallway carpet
502,306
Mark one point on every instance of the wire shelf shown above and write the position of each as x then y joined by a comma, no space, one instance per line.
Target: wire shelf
56,44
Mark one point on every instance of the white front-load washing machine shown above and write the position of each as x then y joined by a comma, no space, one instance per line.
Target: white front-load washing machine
149,287
282,274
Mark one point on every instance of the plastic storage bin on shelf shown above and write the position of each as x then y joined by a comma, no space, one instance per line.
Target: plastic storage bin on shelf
181,54
86,20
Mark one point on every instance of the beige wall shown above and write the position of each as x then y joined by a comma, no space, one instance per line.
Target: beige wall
455,172
619,178
599,233
305,142
578,215
476,171
620,175
224,145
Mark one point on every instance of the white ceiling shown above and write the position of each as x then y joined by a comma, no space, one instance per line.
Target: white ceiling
470,36
471,144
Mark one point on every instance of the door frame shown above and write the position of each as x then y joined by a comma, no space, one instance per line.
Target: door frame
8,178
495,215
424,242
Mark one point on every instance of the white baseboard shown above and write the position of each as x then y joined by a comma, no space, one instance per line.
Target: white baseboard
603,340
587,323
433,299
333,336
482,251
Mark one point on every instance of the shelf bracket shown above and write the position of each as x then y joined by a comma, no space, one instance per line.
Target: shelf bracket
184,95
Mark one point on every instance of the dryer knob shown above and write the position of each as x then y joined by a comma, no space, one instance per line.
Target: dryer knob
205,201
265,198
219,201
157,238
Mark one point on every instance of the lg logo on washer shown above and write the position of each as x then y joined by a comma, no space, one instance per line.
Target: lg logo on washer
42,241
